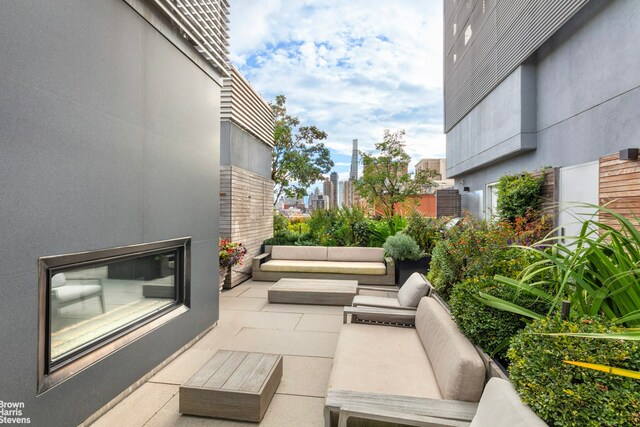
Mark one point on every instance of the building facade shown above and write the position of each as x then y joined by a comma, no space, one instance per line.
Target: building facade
328,191
246,188
347,195
353,173
110,130
528,87
335,201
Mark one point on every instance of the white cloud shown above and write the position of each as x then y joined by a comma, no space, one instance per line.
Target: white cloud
352,68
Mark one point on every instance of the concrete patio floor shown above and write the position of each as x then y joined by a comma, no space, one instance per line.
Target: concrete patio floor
305,334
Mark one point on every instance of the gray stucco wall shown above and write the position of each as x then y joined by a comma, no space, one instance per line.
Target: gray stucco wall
240,148
587,94
109,137
501,126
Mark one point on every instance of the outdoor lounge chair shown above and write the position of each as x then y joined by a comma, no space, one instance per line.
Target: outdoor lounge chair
375,308
499,406
408,296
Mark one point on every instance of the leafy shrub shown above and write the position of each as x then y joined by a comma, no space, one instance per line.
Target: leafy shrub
425,231
469,249
382,228
340,227
488,327
402,248
566,395
280,222
597,271
299,226
517,194
320,226
290,238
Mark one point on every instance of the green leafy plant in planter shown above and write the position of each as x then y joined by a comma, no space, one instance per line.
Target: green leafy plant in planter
567,395
407,255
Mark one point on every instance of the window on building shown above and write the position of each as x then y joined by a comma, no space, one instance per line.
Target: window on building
467,34
91,300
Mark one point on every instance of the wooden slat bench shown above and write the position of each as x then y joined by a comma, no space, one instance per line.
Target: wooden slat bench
234,385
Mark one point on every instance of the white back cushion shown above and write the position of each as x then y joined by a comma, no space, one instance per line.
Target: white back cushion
413,290
301,253
58,280
356,254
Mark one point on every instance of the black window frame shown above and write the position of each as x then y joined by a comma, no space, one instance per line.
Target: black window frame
51,373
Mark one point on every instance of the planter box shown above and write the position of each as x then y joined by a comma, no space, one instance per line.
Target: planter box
404,269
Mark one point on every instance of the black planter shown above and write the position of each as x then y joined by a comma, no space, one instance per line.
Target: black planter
404,269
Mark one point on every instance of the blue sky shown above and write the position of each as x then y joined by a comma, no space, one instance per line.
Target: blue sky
353,68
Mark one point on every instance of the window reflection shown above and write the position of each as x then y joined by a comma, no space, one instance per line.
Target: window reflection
88,304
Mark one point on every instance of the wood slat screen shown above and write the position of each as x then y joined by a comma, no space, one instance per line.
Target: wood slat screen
246,214
619,187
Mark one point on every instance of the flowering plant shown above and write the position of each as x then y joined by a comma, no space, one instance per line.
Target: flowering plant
231,254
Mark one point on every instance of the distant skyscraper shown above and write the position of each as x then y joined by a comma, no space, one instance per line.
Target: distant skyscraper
327,190
334,194
347,195
353,174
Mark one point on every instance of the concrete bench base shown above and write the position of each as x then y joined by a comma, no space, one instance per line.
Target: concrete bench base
313,291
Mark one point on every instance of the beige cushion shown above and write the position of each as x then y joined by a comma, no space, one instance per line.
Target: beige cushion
283,265
304,253
413,290
500,406
371,301
456,363
355,254
74,292
58,279
382,359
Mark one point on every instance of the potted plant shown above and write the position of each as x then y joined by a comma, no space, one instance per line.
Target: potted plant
230,255
407,255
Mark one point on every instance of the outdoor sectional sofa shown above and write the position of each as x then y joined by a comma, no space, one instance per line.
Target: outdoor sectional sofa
433,371
366,265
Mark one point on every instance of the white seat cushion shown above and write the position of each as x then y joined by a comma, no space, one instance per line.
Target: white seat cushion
74,292
382,359
298,266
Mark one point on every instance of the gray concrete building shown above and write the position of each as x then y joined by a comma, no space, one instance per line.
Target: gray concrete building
530,85
109,183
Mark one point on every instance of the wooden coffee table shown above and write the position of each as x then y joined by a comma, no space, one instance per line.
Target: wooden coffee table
313,291
235,385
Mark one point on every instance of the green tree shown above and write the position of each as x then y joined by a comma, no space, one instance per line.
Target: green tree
386,180
298,159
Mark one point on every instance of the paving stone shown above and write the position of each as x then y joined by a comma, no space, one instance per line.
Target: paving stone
320,322
321,344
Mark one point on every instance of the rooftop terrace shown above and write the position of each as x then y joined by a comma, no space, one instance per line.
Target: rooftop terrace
305,334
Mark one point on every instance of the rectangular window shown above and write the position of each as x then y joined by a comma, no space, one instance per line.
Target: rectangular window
93,303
